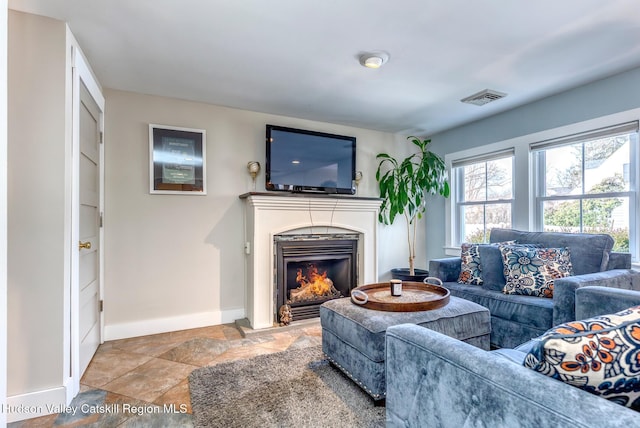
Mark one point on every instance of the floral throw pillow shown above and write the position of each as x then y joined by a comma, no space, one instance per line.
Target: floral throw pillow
531,271
471,267
600,355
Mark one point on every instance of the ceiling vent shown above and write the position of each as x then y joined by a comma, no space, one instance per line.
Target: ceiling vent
483,97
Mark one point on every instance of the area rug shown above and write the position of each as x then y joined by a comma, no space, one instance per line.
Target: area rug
292,388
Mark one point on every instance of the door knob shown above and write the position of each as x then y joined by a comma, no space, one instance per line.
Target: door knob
85,245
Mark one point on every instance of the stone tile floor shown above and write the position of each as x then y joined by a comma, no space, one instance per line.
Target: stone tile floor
142,381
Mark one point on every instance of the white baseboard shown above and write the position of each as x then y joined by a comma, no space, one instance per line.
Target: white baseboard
35,404
71,390
165,325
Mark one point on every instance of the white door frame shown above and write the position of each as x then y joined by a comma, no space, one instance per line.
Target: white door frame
3,207
81,72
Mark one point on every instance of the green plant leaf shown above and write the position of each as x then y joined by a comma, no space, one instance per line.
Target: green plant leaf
404,183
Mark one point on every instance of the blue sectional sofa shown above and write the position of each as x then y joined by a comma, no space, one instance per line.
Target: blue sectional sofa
516,319
436,381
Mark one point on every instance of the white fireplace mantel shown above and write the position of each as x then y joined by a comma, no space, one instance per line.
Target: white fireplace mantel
268,215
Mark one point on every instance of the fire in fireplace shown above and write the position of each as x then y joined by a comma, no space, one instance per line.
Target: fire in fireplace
311,269
315,285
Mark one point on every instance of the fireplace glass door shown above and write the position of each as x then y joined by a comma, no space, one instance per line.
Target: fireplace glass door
310,272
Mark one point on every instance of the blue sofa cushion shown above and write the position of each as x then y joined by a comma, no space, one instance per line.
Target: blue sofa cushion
600,355
493,273
589,252
531,311
511,355
531,271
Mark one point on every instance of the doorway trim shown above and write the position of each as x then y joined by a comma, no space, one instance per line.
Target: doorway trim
80,73
4,28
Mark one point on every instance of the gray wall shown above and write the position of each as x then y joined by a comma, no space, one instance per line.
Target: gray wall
37,149
607,96
176,261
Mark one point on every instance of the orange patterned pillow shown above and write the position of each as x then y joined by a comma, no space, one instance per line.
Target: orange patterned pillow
600,355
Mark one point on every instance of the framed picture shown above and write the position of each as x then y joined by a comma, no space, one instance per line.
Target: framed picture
177,160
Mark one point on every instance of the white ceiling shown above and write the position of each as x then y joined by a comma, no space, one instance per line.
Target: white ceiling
299,58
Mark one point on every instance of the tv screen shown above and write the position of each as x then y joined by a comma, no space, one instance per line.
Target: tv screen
308,161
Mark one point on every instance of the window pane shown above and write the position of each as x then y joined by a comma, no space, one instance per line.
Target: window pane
561,216
605,214
480,219
605,164
473,227
497,215
610,216
563,170
620,240
599,215
499,179
475,182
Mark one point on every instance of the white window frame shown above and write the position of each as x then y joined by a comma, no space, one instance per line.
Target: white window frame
540,175
524,177
458,187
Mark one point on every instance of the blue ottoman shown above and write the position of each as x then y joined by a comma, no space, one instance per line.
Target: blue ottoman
353,337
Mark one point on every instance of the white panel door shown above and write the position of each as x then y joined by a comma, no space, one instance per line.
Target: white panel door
89,230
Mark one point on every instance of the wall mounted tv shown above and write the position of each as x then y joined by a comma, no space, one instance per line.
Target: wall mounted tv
308,161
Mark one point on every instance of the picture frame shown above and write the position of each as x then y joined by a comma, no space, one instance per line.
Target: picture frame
177,160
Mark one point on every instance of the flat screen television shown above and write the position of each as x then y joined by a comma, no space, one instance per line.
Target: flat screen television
309,161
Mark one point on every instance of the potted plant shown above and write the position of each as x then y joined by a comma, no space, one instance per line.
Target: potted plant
404,186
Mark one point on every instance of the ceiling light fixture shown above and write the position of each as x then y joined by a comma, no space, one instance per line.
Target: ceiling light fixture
373,62
374,59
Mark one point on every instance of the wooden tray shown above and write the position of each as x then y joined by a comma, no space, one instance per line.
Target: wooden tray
416,296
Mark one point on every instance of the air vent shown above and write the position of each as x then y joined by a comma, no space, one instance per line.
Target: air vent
483,97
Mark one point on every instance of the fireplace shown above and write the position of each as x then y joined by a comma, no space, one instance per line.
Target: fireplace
311,269
272,214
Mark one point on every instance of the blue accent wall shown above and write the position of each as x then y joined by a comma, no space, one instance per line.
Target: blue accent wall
607,96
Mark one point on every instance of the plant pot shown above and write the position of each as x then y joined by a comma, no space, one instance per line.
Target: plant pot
403,274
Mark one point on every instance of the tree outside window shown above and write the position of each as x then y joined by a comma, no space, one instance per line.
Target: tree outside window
485,197
585,188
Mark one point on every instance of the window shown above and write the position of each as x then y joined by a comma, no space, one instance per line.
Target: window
581,177
483,194
587,183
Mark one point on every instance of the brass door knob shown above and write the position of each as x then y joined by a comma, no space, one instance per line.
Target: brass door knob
85,245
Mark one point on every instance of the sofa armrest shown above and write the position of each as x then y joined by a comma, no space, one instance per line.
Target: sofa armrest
564,304
594,301
619,261
447,269
437,381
